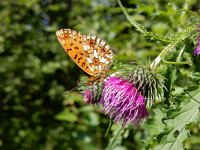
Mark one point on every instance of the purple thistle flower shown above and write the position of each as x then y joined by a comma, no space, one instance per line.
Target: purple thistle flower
87,96
92,94
197,49
122,101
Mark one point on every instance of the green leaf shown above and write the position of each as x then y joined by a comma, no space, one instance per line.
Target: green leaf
66,115
116,140
176,131
171,74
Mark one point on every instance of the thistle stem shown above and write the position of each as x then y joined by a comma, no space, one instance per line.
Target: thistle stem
132,21
155,62
178,60
158,59
180,54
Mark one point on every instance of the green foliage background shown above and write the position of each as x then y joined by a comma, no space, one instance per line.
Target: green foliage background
35,72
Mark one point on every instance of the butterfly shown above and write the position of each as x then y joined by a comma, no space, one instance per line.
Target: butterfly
89,52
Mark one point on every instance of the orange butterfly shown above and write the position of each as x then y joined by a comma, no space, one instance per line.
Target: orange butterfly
90,53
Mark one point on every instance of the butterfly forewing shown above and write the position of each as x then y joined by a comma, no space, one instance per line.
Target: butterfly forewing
90,53
74,48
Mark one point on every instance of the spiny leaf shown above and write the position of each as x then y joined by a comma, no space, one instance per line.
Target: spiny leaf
176,131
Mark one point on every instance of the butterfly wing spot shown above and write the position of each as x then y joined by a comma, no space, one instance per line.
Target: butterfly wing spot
83,64
69,49
108,56
75,56
76,47
89,60
86,47
79,59
63,41
95,54
96,61
91,42
107,47
103,60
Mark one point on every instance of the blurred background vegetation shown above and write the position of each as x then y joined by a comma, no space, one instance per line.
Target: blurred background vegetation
35,71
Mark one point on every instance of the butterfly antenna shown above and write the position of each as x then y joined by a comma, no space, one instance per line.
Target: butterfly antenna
67,92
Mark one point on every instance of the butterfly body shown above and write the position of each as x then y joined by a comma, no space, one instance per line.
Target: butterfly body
90,53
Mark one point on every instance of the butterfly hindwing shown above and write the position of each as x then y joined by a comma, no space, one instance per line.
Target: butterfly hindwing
99,54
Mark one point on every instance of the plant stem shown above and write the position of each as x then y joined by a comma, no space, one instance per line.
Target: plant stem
161,56
180,54
132,21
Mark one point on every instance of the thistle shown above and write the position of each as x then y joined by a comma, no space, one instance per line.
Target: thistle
122,101
149,83
124,97
92,94
197,49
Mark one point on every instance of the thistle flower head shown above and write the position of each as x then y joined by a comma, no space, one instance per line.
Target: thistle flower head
149,83
124,97
92,93
197,49
122,101
88,96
